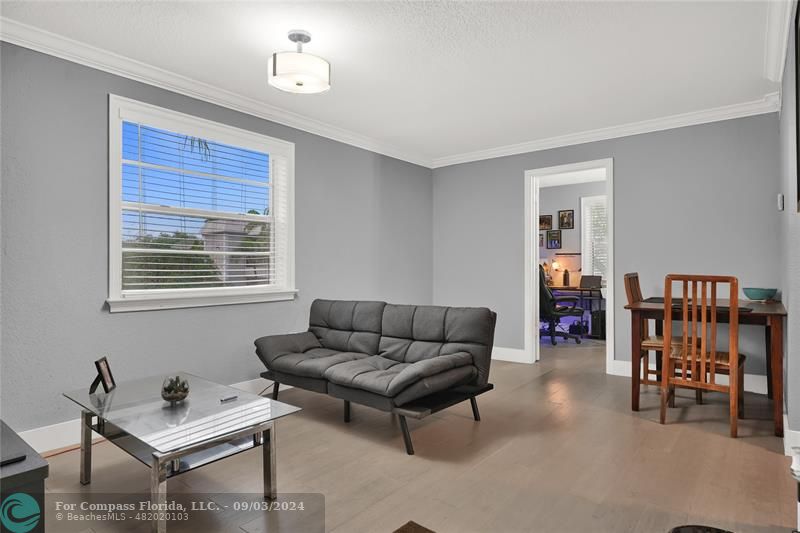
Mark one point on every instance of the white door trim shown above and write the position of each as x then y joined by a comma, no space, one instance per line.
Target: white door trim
534,179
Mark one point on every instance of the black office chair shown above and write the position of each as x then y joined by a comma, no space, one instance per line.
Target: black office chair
552,312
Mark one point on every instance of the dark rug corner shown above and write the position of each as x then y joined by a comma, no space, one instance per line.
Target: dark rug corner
412,527
697,529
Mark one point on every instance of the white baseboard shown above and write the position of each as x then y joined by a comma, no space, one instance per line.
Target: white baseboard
53,437
791,438
511,355
752,382
619,368
66,434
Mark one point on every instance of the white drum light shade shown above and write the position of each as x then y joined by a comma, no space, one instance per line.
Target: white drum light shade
298,72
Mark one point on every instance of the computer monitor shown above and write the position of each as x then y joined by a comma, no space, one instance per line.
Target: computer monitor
590,282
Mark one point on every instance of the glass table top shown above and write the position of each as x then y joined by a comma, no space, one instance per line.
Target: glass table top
136,407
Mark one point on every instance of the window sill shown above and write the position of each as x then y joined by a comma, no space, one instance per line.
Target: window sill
156,302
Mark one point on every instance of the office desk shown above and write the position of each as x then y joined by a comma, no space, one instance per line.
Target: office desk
583,294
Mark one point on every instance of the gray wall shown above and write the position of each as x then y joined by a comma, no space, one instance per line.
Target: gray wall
790,238
364,227
363,231
694,199
560,198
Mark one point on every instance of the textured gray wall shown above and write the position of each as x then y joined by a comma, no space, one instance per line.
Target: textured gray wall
363,231
695,199
790,239
559,198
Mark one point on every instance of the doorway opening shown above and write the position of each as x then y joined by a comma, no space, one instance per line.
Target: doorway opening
569,234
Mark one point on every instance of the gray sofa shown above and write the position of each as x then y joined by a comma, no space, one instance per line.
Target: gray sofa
411,360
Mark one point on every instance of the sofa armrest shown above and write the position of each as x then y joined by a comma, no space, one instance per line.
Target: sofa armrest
271,347
427,368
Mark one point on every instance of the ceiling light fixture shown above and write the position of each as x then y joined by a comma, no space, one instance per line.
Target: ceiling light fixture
298,72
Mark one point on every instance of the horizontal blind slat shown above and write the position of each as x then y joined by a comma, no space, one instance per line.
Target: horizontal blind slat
195,213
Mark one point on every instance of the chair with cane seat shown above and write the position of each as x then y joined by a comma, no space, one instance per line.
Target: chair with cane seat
697,357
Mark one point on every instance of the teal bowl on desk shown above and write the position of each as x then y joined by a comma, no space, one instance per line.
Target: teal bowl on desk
755,293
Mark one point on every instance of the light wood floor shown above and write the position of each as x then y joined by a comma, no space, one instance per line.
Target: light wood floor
558,450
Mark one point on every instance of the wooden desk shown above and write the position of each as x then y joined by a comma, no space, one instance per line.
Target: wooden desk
575,289
770,315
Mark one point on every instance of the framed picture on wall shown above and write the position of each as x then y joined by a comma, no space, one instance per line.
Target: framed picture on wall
566,219
545,222
541,240
554,239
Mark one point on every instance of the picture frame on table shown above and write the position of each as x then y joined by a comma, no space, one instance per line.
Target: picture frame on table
104,376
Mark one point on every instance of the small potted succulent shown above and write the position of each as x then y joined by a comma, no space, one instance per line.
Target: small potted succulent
175,389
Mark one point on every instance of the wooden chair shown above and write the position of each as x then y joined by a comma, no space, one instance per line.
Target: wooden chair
650,343
697,357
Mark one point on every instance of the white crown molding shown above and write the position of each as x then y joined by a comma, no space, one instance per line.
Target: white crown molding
39,40
52,44
776,39
769,104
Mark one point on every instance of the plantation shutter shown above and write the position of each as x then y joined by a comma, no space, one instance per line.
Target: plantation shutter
594,238
199,214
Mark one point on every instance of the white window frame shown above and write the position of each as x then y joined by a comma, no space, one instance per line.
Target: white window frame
124,109
585,242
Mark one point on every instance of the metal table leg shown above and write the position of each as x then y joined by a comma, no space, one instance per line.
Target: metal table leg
268,452
86,447
158,494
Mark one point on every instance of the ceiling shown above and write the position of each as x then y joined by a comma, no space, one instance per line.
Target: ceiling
434,82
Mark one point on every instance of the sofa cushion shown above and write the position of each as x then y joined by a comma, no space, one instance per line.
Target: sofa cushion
273,346
387,377
347,326
454,377
313,363
412,333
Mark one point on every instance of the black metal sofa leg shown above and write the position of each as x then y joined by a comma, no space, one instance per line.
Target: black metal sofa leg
347,411
475,413
275,390
406,435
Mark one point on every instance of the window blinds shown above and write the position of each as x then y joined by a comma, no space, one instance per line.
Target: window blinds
594,241
198,213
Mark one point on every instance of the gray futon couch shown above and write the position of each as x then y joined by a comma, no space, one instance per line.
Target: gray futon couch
411,360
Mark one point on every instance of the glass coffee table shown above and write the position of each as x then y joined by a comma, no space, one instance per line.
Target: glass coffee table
214,422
